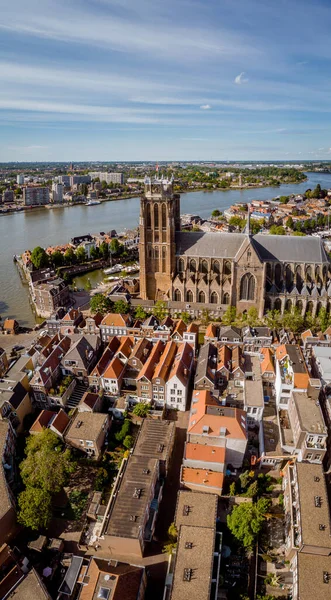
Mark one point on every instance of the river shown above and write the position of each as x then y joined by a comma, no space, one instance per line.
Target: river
25,230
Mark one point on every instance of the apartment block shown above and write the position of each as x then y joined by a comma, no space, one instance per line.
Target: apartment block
35,196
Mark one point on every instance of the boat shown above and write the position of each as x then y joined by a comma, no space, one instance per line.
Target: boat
92,202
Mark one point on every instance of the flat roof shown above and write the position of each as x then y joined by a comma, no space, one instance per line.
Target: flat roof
309,412
86,426
195,561
202,509
155,439
311,481
311,568
127,514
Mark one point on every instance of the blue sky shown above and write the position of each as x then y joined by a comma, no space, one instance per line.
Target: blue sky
165,80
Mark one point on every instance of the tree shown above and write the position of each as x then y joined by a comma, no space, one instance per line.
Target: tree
104,250
216,213
252,489
273,319
140,313
229,316
121,307
172,539
69,257
57,258
205,316
277,230
186,317
46,465
141,409
39,258
252,317
233,488
99,303
290,223
246,521
94,253
81,254
34,508
124,431
294,320
114,246
160,310
128,442
101,479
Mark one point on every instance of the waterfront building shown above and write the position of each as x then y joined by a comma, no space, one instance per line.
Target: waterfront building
20,179
195,271
35,196
57,193
107,177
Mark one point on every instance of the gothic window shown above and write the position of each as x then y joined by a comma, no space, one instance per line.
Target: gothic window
156,258
288,276
298,277
249,255
278,275
310,307
226,298
227,268
181,266
202,297
216,267
193,265
267,304
318,275
204,266
247,287
300,305
149,252
164,217
318,308
189,296
164,261
214,298
309,273
156,216
269,271
288,305
278,304
177,296
148,216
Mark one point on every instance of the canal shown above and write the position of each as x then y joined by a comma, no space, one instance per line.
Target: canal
25,230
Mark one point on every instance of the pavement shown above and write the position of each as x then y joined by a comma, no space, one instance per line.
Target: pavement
7,342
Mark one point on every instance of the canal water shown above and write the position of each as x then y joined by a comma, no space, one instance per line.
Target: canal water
25,230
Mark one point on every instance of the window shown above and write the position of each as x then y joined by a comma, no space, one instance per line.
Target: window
202,297
89,443
177,296
103,593
309,456
254,410
189,296
247,287
214,298
317,457
175,386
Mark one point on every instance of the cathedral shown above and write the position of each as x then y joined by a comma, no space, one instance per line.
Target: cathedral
197,271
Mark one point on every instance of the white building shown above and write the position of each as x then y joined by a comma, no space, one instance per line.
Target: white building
20,179
107,177
177,385
57,193
35,196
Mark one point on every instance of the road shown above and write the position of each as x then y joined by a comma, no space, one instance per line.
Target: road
7,342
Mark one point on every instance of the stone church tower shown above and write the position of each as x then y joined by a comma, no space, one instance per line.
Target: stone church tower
159,221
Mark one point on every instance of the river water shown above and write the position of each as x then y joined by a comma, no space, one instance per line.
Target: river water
25,230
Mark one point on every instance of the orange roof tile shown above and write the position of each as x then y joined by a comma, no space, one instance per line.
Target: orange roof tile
211,479
42,421
235,426
61,421
211,331
126,346
116,320
267,363
153,359
306,334
193,328
166,360
205,453
114,369
224,358
180,328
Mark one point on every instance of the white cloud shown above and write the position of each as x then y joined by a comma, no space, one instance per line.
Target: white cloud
240,79
205,106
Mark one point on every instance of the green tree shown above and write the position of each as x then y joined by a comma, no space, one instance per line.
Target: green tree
94,253
246,521
323,319
124,431
172,539
205,316
140,313
104,250
81,254
252,489
290,223
114,246
299,233
69,257
99,303
252,317
216,213
141,409
233,488
121,307
294,320
185,316
277,230
39,258
34,508
128,442
160,309
57,258
46,465
101,479
229,316
273,319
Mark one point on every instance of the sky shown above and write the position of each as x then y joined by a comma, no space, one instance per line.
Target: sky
117,80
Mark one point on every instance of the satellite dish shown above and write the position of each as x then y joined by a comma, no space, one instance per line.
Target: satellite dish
107,577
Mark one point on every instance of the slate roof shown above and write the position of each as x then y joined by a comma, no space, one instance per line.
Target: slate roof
268,247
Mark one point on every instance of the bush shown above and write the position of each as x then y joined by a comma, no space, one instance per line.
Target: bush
101,479
281,500
128,442
124,431
141,409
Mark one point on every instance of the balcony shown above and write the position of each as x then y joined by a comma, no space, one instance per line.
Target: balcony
316,445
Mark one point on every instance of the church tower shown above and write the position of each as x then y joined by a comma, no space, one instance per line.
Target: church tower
159,220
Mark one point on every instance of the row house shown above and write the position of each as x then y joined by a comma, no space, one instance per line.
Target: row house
309,341
161,373
137,359
218,427
96,374
87,432
80,359
291,373
48,374
104,578
268,373
115,324
205,376
145,377
177,386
